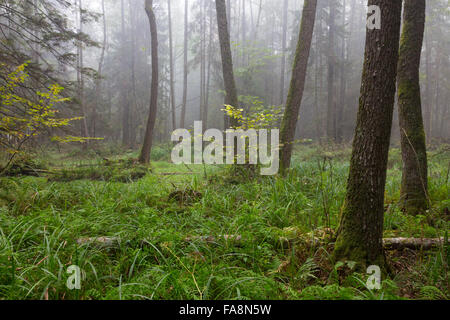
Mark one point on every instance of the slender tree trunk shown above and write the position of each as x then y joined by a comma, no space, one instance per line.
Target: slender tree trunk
360,231
342,82
227,61
331,104
414,187
258,20
148,138
208,70
133,106
98,82
297,86
283,53
185,65
124,91
202,59
172,67
85,129
429,102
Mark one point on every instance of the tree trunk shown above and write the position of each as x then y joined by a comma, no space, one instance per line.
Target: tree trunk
340,109
297,85
134,106
172,67
283,53
85,129
227,61
429,103
98,82
185,63
148,138
361,226
414,197
331,104
124,91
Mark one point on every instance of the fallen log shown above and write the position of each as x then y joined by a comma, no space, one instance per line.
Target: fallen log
388,243
412,243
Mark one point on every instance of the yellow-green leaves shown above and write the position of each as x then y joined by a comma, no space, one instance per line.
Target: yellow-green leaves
25,113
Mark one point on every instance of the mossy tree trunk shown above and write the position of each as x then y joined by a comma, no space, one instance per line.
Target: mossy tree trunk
227,60
297,85
360,231
414,155
148,138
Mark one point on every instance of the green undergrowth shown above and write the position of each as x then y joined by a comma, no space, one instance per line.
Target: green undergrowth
202,232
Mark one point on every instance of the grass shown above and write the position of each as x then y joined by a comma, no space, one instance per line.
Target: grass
161,222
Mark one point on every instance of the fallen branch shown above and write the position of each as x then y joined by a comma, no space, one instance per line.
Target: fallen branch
388,243
412,243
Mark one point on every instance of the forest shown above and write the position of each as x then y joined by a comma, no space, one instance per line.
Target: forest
224,149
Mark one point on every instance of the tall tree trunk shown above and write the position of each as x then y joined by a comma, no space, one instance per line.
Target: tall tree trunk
134,107
361,226
283,53
414,187
124,91
429,102
85,129
98,82
297,86
148,138
172,67
185,65
331,104
227,61
208,70
202,59
342,82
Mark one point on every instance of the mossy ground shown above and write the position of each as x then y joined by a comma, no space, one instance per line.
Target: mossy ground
161,218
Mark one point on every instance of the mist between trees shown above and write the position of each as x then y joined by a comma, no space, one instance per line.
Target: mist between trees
100,51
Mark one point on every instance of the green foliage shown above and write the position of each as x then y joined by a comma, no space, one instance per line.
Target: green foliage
169,248
24,117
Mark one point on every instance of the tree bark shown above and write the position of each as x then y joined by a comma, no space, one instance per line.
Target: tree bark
227,61
185,63
361,225
124,91
172,67
148,138
294,99
331,104
85,128
283,53
414,187
98,80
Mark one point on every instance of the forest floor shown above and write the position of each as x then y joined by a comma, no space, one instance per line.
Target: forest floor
200,232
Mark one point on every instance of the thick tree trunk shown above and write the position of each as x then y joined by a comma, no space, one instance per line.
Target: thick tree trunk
148,138
414,197
297,85
361,225
185,63
227,61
